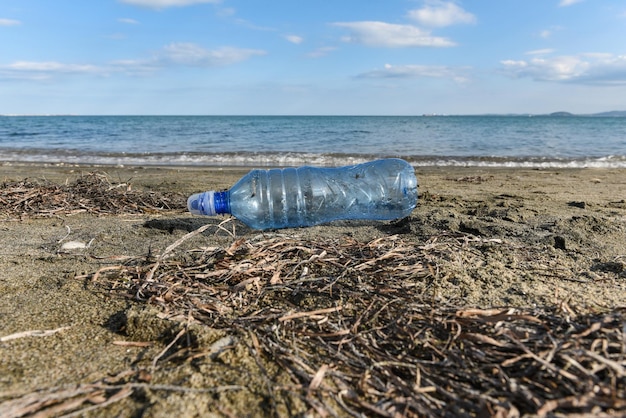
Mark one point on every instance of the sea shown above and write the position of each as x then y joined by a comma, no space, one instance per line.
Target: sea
269,141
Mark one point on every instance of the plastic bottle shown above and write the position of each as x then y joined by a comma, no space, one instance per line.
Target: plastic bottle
295,197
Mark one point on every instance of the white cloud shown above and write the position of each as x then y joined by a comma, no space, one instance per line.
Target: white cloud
562,68
590,68
381,34
565,3
247,24
440,14
134,67
50,66
547,33
174,54
128,21
321,52
9,22
196,56
43,70
598,55
418,71
162,4
294,39
226,11
540,51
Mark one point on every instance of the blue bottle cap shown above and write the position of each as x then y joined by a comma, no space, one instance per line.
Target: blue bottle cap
208,203
202,204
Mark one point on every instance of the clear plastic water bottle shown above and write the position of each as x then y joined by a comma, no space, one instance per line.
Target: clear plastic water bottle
295,197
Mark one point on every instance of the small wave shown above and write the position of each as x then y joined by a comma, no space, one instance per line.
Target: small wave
283,159
22,134
612,161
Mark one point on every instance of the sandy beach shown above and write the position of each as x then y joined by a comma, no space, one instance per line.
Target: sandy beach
511,274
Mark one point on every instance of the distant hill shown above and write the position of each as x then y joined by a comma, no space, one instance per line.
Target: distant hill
562,114
613,113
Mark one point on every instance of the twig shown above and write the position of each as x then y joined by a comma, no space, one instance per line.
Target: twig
618,368
33,333
121,394
173,246
69,231
310,313
165,350
175,388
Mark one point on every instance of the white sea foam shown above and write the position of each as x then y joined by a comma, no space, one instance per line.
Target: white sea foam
299,159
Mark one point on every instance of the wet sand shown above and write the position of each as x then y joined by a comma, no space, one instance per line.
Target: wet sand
553,237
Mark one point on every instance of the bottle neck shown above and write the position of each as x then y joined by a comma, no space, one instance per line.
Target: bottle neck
221,202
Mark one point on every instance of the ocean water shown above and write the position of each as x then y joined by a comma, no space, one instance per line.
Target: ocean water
501,141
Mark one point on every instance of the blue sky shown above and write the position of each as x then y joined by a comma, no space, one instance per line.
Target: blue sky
381,57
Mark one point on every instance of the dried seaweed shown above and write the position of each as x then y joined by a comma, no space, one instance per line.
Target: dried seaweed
357,327
78,400
358,330
92,193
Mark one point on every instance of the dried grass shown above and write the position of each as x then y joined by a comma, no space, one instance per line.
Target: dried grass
92,193
356,327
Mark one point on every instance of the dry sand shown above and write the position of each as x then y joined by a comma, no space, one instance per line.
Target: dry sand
552,239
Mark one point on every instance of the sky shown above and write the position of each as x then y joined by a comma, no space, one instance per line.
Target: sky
323,57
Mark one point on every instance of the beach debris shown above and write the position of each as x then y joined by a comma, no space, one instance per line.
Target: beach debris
70,246
78,400
221,345
75,245
90,193
140,344
33,333
358,328
347,327
384,189
473,179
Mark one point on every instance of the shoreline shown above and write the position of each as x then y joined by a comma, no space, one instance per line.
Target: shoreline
527,240
224,176
293,159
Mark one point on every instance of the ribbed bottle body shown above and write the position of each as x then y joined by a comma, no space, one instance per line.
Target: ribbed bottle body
305,196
